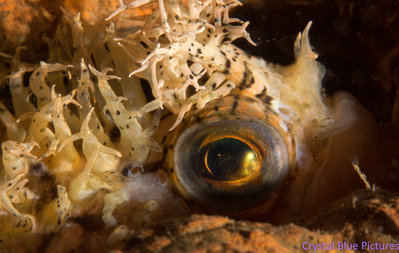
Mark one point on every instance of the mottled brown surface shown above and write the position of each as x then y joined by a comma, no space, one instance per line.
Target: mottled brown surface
26,23
200,233
360,217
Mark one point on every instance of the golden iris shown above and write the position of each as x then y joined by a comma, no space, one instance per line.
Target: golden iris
230,165
229,159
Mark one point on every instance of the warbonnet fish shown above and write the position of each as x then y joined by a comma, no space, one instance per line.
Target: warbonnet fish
154,113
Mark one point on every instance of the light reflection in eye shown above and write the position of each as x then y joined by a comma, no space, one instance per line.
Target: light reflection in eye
230,164
229,159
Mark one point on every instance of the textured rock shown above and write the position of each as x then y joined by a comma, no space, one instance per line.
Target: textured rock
363,216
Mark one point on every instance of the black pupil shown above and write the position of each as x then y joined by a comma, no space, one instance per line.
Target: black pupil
228,159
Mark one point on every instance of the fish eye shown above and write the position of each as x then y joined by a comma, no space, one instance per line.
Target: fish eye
242,159
230,165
